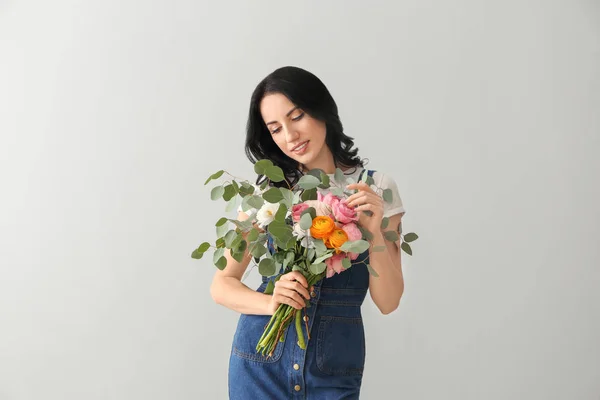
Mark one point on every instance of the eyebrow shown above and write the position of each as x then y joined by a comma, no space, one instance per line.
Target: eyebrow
287,115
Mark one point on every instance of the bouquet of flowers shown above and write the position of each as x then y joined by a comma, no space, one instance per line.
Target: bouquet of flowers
313,233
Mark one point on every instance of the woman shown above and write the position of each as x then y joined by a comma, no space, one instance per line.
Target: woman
294,122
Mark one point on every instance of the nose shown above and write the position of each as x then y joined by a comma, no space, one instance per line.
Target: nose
290,134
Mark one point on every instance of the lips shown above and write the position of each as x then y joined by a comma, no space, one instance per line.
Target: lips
300,145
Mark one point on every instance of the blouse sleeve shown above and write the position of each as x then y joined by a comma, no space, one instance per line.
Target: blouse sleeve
387,182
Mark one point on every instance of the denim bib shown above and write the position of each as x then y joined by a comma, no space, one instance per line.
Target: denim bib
332,365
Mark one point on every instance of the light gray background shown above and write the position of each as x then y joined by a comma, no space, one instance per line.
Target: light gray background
113,113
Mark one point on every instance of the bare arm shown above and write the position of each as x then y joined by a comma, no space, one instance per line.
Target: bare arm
228,290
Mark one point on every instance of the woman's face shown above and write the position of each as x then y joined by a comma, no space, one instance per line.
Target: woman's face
291,126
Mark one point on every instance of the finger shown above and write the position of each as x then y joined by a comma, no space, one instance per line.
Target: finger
296,286
295,275
296,303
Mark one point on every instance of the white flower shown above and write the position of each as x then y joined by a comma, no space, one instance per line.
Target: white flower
266,214
306,239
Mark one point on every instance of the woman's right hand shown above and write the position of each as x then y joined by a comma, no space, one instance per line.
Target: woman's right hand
289,289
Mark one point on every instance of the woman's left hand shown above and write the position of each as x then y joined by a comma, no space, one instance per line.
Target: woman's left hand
366,199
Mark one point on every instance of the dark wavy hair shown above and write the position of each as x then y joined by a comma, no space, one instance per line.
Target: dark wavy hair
306,91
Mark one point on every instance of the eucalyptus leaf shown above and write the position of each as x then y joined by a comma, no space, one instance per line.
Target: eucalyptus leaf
355,246
372,271
221,263
317,268
229,237
221,221
231,204
257,249
324,181
256,201
367,235
346,263
229,192
391,235
252,235
339,176
273,195
370,181
288,197
385,222
310,254
266,267
275,173
260,167
308,182
323,257
246,189
222,230
406,247
217,192
289,257
320,246
311,211
387,195
410,237
309,194
337,191
306,221
216,175
281,213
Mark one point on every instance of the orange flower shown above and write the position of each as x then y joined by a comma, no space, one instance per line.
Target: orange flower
336,239
322,227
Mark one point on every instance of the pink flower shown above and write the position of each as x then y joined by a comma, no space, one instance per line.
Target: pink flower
334,264
297,210
343,213
353,234
330,199
320,207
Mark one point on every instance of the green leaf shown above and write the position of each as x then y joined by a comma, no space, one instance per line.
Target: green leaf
256,201
220,242
289,257
222,230
260,167
270,287
221,263
355,246
391,235
311,211
216,175
257,249
320,246
305,221
281,213
229,237
252,235
309,194
264,184
275,173
277,228
217,256
406,247
221,221
266,267
323,258
246,189
317,268
308,182
324,181
217,192
370,181
310,253
339,176
410,237
379,248
372,271
385,222
367,235
273,195
229,192
199,252
337,191
288,197
346,263
387,195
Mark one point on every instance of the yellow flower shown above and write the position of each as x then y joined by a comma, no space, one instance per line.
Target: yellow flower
322,227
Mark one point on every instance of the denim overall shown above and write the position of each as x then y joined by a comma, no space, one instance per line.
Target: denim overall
330,368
